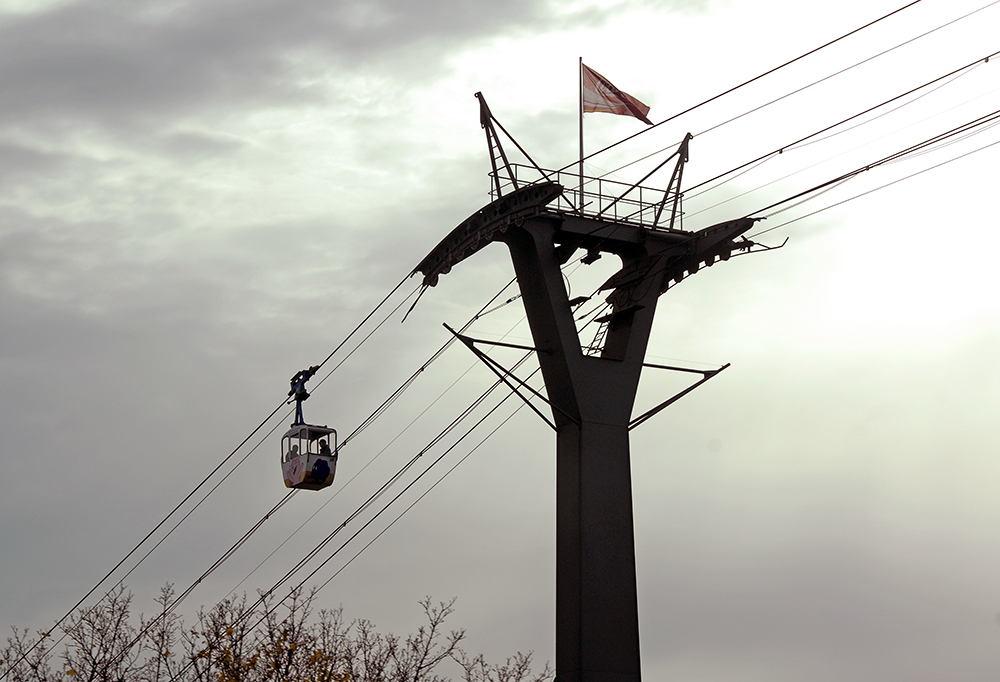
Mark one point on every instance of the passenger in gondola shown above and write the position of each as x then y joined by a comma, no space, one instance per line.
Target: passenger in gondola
324,449
294,452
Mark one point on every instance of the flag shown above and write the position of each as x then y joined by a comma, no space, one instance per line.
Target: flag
599,94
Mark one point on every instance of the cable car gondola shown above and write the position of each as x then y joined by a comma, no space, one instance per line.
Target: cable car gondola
308,458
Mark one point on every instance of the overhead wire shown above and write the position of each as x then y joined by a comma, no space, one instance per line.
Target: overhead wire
852,66
485,310
893,110
332,497
430,466
875,189
782,149
420,370
434,441
759,160
196,506
986,120
813,165
962,131
263,595
801,144
191,494
362,341
422,496
366,318
172,606
372,499
239,543
287,496
959,137
62,619
741,85
434,485
801,89
242,540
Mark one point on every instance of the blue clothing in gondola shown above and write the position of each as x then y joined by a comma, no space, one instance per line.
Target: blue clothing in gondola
320,470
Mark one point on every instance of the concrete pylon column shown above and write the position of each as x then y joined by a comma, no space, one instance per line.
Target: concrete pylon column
597,620
597,617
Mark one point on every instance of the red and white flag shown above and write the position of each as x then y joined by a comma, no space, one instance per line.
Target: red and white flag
600,94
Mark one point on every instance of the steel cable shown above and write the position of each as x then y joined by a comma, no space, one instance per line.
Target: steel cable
737,87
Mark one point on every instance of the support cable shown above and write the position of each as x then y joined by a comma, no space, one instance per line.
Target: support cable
875,189
818,163
177,601
425,493
963,131
780,150
403,491
852,66
805,87
191,494
371,500
365,505
264,595
406,384
205,497
240,542
362,341
485,310
283,501
749,165
737,87
367,317
159,525
422,496
991,118
896,108
792,145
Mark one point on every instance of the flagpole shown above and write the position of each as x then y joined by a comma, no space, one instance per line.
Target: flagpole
580,79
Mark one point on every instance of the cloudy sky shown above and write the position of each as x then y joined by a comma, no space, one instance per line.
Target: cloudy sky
198,199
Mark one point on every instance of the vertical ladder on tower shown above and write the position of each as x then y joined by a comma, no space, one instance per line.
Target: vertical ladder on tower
597,345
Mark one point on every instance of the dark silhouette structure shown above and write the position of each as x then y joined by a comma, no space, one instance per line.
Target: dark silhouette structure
590,387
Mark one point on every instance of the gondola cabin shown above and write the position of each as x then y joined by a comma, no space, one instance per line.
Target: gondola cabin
309,456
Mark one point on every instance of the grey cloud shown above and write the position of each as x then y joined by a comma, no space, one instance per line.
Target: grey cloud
193,146
109,62
20,162
116,60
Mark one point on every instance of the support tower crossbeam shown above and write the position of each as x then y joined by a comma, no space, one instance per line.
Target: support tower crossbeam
591,391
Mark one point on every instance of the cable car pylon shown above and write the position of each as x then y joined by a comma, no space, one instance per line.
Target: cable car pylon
543,217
